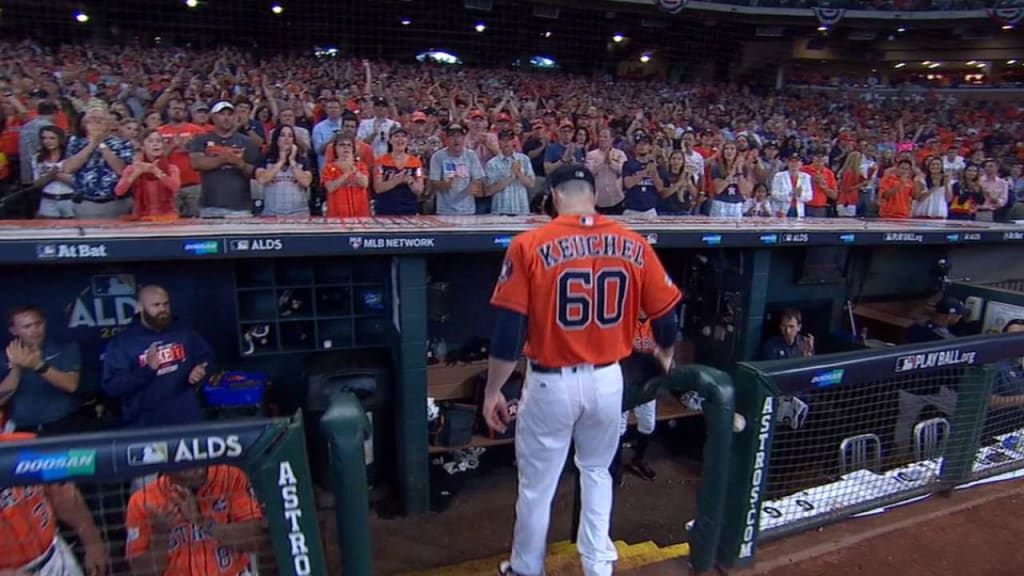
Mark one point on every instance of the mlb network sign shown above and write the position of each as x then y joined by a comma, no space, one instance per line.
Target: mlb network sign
81,251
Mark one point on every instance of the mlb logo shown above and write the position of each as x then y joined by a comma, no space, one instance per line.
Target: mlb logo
147,454
905,363
46,251
240,245
356,242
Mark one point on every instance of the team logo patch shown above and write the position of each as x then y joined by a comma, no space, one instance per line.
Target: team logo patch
506,271
220,505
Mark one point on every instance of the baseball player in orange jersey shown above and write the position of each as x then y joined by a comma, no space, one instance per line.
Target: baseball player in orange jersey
646,413
29,542
573,290
200,522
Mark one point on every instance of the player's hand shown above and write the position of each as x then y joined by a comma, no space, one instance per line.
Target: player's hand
808,345
161,522
152,357
197,374
184,502
13,359
96,559
496,412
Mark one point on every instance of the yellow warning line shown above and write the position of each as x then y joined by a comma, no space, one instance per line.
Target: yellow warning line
562,557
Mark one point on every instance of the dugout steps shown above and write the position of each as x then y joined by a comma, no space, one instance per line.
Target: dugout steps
563,560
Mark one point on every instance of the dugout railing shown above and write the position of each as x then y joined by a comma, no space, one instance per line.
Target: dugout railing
834,436
107,466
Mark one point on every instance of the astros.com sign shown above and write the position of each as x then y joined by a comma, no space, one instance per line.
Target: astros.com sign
757,479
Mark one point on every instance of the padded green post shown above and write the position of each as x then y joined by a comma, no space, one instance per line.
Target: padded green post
346,427
746,476
966,425
716,388
281,478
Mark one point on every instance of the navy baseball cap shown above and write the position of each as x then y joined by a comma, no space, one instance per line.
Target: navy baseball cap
568,172
949,305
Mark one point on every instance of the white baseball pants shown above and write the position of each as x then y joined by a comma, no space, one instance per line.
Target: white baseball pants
58,560
582,405
646,415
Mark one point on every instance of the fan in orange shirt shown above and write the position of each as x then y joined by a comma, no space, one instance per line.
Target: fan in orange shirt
346,179
29,542
200,522
896,191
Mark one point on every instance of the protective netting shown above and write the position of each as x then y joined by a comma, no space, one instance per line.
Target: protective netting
852,448
197,521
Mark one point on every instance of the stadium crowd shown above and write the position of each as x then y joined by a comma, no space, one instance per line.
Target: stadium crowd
160,133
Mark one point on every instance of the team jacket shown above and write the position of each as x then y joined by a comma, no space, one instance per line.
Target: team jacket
160,397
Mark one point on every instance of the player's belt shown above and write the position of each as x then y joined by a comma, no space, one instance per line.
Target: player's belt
37,564
542,369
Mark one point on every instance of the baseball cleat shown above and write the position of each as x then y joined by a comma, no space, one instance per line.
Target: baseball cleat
505,568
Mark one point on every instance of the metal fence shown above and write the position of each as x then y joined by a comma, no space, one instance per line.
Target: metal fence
839,435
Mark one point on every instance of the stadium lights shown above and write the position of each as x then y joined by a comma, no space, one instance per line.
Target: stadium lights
1007,26
926,62
971,62
900,65
480,27
547,34
406,21
1011,62
277,9
901,29
645,57
81,17
934,65
618,38
823,28
191,3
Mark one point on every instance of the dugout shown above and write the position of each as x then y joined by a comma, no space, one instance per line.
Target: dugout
383,296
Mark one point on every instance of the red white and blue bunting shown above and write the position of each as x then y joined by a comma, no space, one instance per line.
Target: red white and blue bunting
672,6
1007,16
829,16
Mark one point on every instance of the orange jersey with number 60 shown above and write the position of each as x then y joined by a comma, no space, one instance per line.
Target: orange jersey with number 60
582,282
226,497
27,523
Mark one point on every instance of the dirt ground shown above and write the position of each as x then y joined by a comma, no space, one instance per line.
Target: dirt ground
975,533
479,522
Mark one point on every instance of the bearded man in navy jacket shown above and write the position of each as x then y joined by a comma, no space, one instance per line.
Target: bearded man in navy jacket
154,367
